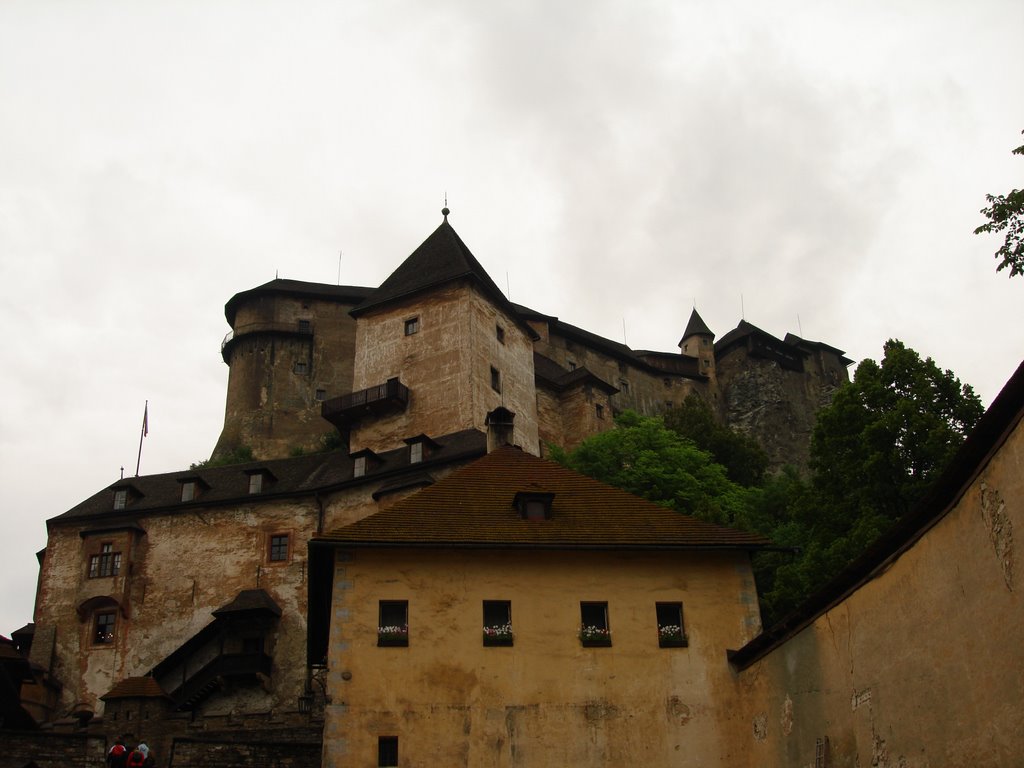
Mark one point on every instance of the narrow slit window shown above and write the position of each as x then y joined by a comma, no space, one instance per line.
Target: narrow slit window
499,333
495,379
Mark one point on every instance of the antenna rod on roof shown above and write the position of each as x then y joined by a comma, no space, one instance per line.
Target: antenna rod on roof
508,287
743,312
339,267
624,331
798,326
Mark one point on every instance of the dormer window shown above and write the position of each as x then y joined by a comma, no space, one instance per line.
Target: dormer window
125,494
259,480
364,462
420,447
191,488
534,505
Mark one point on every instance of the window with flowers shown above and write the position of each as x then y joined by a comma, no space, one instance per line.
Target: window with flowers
497,622
393,623
594,629
671,630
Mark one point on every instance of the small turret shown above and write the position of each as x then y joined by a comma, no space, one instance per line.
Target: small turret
698,341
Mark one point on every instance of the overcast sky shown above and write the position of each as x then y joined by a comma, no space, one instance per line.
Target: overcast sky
816,167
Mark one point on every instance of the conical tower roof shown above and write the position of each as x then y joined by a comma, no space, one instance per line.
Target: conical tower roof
441,258
695,327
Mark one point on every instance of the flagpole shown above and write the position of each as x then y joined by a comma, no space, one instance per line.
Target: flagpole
145,431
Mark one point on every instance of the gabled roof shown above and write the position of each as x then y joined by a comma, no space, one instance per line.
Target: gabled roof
440,259
474,507
295,476
695,327
250,600
548,372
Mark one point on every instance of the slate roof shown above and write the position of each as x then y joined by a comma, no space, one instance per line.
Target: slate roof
250,600
440,259
350,294
558,378
295,476
473,507
696,326
135,687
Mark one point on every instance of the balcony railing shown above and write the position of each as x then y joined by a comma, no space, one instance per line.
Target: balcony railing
392,395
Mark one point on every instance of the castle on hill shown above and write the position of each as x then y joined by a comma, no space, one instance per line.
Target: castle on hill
433,591
437,346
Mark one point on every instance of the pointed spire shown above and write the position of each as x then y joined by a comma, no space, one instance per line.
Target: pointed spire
695,327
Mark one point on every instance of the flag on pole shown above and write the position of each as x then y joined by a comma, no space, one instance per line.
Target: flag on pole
145,431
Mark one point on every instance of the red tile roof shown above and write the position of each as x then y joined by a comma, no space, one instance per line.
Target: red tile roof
135,687
474,507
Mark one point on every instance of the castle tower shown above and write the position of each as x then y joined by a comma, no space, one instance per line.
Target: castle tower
290,347
698,342
438,347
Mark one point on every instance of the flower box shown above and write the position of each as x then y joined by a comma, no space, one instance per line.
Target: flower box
595,637
500,634
393,637
672,636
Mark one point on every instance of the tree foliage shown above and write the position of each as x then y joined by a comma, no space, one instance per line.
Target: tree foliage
742,456
644,457
875,452
1006,212
887,433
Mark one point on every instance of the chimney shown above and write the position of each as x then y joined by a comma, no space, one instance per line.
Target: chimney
499,427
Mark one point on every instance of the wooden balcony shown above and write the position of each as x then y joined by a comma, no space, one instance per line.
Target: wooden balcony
389,397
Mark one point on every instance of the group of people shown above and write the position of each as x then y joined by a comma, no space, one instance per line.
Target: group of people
119,756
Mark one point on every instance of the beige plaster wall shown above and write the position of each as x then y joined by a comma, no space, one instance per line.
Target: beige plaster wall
922,666
546,701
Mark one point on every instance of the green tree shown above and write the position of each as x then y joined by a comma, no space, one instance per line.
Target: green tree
642,456
742,456
1007,212
879,445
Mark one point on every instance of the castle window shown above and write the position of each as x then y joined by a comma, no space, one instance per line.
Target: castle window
359,466
594,631
321,395
120,498
103,627
624,385
571,364
599,410
279,548
497,622
393,623
499,332
667,382
415,453
495,379
387,752
305,326
412,325
106,563
671,630
188,490
301,367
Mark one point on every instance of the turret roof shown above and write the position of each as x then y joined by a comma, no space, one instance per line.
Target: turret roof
696,327
440,259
